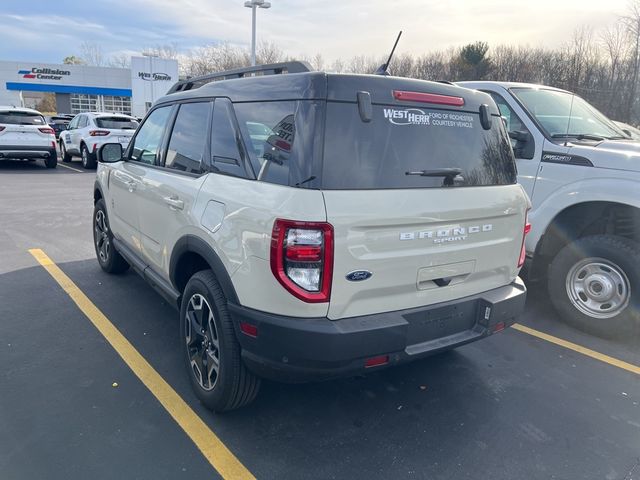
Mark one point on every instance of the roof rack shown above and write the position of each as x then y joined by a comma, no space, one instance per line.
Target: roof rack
269,69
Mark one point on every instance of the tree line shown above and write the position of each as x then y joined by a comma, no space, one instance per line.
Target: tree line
601,66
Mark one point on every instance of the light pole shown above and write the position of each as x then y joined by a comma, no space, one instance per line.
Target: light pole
253,5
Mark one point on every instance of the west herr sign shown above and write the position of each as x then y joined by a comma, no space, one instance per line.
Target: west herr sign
153,77
44,73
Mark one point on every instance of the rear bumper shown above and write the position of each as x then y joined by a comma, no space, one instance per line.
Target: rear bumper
301,349
25,151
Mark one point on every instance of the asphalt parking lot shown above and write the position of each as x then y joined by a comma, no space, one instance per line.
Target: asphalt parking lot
514,406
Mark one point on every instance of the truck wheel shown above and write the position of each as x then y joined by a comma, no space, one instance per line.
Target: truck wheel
108,257
594,284
211,351
66,158
52,161
88,158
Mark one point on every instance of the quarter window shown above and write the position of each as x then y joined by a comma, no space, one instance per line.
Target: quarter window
188,138
147,142
226,147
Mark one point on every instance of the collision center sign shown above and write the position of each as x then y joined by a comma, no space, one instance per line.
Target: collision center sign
44,73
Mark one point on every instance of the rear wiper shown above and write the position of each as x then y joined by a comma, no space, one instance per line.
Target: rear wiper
448,173
579,136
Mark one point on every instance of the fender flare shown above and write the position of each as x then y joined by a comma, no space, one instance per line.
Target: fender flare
192,243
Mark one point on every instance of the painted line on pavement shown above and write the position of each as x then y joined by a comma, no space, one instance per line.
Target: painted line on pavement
70,168
579,348
218,455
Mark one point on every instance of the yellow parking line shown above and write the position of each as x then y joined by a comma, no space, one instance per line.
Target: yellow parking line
70,168
218,455
579,348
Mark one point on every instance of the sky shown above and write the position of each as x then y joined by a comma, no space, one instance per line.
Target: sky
47,30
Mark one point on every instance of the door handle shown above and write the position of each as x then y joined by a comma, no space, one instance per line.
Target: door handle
174,203
131,185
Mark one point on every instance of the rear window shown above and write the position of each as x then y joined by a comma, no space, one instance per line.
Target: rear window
116,123
21,118
377,155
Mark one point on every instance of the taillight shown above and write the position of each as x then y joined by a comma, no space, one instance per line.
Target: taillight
523,252
99,133
302,258
47,130
428,98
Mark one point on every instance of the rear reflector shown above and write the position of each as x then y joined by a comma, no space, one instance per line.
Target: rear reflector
405,96
498,327
47,130
523,250
376,361
248,329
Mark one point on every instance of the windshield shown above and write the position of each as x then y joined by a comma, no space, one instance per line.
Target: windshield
378,154
21,118
562,114
122,123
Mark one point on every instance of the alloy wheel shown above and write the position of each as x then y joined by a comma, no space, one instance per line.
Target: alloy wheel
203,346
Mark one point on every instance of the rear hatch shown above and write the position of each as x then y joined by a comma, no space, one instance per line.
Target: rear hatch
120,128
24,129
408,240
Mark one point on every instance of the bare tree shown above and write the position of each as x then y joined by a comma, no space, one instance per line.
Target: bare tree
121,60
168,50
92,54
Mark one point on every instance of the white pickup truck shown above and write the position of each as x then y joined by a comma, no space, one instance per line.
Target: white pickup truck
582,174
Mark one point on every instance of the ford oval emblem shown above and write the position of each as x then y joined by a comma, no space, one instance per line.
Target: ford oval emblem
358,275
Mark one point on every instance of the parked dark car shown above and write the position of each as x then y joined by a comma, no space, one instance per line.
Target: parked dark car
58,123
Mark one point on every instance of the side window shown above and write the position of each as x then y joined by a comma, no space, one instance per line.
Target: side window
147,141
269,132
188,138
226,150
521,148
82,122
74,123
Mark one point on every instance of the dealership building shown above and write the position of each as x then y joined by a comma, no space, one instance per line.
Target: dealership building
80,88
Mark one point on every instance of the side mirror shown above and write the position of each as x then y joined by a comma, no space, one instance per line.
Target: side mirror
627,132
524,147
520,136
110,153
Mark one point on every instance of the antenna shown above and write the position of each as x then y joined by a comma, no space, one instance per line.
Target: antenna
382,69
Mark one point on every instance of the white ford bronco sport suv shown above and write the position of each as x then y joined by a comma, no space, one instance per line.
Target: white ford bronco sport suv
582,174
309,225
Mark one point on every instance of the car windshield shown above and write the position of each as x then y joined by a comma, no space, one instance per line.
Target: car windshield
122,123
563,114
21,118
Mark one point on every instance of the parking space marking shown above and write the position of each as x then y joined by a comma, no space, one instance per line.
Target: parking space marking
218,455
579,348
70,168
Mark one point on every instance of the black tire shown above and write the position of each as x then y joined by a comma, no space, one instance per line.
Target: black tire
108,257
52,161
608,260
88,158
66,158
234,385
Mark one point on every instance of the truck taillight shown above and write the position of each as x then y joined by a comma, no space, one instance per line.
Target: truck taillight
302,258
523,251
99,133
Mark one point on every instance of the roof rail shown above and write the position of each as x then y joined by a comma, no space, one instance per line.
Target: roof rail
268,69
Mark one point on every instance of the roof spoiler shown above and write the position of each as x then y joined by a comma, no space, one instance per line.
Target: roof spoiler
269,69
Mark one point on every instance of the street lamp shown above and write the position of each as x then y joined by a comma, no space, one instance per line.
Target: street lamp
253,4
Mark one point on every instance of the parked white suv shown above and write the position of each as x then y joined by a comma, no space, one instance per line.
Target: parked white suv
88,131
312,225
24,134
582,173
